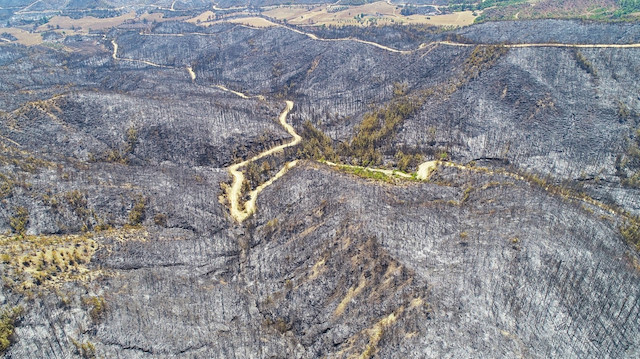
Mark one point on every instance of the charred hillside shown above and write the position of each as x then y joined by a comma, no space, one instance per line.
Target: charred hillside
521,239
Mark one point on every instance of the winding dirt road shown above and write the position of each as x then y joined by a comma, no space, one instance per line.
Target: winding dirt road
449,43
240,211
115,49
234,192
115,57
375,44
239,94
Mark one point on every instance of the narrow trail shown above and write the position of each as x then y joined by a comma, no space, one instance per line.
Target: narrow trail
234,192
427,168
23,10
191,73
115,49
241,212
239,94
371,43
215,7
422,46
115,57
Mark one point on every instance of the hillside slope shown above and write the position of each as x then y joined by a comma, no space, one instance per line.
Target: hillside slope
118,242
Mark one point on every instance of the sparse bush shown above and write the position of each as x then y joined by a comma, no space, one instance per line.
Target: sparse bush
623,111
76,200
116,156
407,162
132,140
122,153
377,128
137,213
20,220
481,58
160,219
400,89
316,144
466,194
87,350
281,325
631,232
272,223
97,306
252,175
585,64
8,319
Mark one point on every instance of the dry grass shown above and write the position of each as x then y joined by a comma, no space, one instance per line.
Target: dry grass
46,261
376,332
380,13
83,24
252,21
24,37
207,18
68,26
462,18
352,292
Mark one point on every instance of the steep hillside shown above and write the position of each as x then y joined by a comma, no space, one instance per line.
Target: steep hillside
123,152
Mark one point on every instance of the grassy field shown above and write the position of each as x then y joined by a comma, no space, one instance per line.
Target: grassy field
377,13
86,23
208,19
67,26
24,37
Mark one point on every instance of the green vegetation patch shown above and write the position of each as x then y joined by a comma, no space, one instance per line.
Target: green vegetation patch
585,64
630,231
138,212
8,319
379,127
628,163
19,221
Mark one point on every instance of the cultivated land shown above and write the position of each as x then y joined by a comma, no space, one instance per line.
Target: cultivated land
381,13
225,184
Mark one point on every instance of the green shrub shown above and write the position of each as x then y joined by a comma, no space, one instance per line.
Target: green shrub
8,319
76,200
87,350
585,64
19,222
631,232
132,140
137,214
316,144
97,306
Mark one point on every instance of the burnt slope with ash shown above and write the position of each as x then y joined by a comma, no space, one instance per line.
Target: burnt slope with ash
118,241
